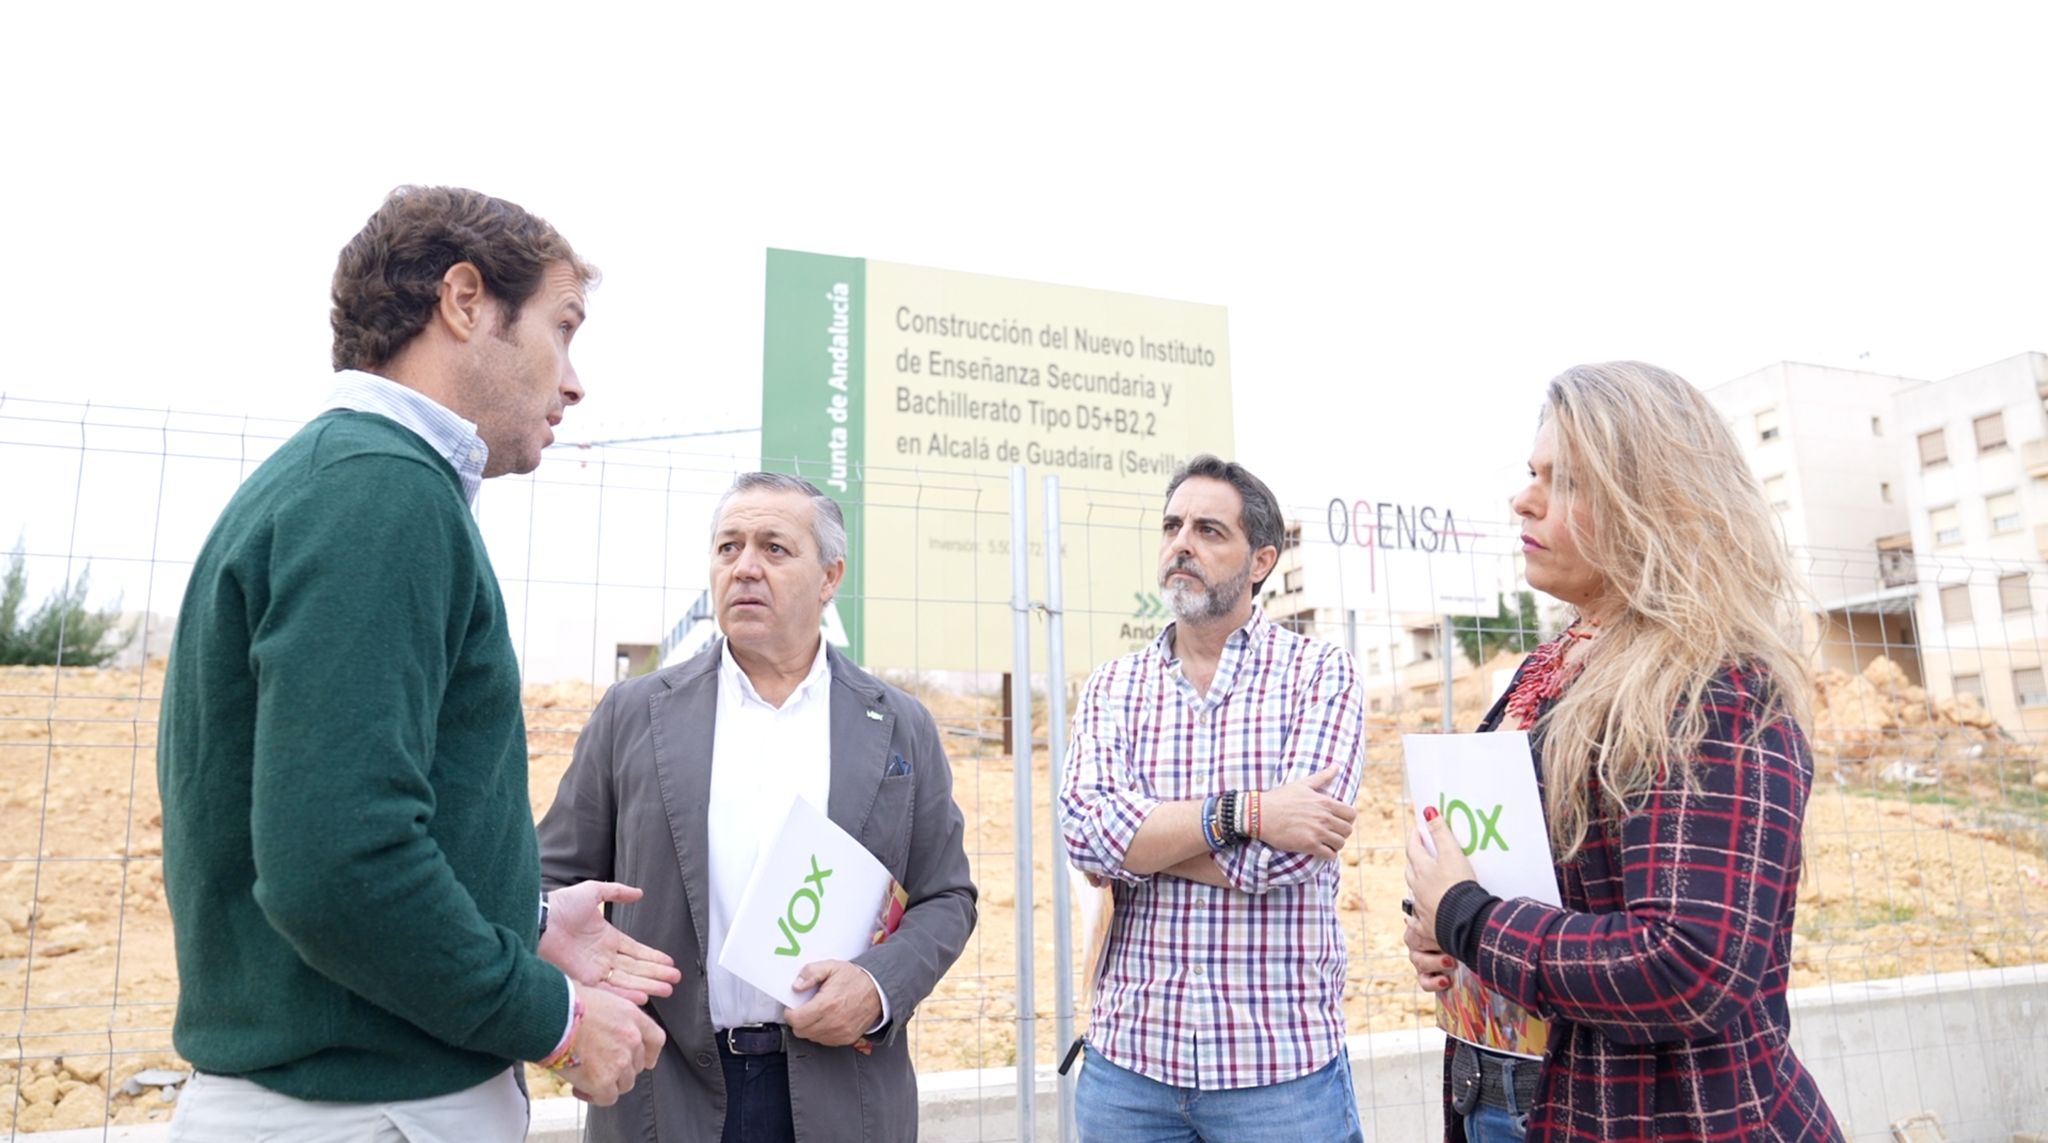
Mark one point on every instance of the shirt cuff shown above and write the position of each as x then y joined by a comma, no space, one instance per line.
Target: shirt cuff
569,1028
1461,917
880,995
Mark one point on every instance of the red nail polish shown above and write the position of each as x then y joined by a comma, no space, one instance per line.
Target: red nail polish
1429,813
1448,962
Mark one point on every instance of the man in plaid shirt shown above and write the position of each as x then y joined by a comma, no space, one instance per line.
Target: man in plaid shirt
1209,782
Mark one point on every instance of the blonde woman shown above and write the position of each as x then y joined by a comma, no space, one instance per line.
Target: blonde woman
1666,726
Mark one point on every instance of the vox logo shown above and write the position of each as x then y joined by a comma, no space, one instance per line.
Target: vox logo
811,892
1482,826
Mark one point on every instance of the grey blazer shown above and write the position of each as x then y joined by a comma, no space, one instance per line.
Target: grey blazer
631,808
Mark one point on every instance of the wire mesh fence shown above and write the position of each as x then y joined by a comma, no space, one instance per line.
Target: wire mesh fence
1927,835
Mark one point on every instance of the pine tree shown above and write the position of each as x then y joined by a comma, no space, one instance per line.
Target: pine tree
63,631
1482,637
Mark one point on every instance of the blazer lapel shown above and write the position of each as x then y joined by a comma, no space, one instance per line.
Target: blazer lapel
682,720
862,727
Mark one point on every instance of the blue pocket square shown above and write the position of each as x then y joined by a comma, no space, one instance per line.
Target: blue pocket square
898,765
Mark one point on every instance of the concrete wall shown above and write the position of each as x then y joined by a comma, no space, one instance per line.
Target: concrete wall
1970,1047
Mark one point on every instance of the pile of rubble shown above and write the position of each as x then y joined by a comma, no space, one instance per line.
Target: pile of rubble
1881,712
71,1093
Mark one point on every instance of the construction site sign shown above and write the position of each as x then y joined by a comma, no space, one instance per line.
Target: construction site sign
908,394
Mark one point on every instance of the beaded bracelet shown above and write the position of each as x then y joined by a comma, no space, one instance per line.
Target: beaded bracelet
1211,831
564,1055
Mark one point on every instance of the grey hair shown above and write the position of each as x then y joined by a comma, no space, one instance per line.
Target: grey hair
828,522
1260,517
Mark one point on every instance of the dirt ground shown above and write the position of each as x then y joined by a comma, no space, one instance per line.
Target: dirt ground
1907,871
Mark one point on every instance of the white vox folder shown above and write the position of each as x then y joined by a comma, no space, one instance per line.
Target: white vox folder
815,894
1484,785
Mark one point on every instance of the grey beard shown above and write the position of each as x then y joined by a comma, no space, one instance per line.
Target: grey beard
1210,601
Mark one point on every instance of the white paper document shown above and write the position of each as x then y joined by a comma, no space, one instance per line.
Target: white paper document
1484,785
816,894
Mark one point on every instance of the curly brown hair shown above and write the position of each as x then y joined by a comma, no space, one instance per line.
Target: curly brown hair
389,276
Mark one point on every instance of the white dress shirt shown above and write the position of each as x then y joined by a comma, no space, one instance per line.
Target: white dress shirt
447,433
760,756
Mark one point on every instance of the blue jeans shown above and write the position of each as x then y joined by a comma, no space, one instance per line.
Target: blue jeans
1493,1125
757,1106
1117,1105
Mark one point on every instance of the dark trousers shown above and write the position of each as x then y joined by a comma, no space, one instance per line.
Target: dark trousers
756,1098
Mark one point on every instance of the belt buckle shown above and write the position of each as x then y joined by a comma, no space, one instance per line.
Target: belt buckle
732,1045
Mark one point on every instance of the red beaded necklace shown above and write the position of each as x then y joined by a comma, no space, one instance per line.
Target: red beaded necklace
1546,675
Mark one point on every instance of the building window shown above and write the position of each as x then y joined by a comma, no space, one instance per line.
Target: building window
2012,594
1948,525
1955,603
2005,512
1971,685
1767,425
1990,432
1884,491
2028,686
1877,426
1933,448
1774,491
1292,580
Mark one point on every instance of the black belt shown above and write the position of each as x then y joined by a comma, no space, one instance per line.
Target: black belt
1478,1079
752,1039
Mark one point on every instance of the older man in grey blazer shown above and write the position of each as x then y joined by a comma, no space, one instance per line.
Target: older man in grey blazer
682,775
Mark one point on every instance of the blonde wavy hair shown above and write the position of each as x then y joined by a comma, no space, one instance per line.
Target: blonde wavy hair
1698,578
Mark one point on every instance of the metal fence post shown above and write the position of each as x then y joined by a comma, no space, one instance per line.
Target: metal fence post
1056,748
1020,759
1450,647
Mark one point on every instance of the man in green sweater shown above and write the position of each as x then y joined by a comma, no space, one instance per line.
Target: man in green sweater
363,951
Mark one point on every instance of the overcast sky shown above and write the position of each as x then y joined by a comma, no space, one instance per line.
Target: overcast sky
1415,215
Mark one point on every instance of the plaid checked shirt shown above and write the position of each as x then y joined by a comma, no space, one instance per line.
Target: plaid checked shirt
1208,987
1665,971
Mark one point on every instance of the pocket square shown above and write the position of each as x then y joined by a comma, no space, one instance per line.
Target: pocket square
898,764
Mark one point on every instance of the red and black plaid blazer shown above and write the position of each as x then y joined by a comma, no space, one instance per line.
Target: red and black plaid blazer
1665,971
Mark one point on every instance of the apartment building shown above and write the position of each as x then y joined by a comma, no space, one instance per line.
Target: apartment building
1825,444
1975,449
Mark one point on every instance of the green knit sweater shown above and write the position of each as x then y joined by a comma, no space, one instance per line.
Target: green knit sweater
348,850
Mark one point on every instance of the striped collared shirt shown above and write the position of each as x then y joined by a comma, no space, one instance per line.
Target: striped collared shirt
1208,987
450,435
